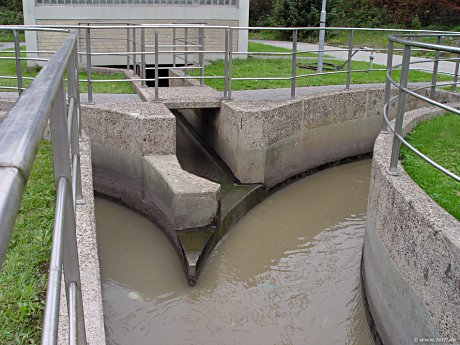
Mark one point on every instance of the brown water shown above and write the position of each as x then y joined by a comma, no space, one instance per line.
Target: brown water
287,273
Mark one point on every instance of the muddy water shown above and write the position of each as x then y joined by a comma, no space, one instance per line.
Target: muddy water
287,273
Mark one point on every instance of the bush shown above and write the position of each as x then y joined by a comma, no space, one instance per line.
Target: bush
10,17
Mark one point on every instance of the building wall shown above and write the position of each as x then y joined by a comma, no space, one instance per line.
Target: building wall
114,40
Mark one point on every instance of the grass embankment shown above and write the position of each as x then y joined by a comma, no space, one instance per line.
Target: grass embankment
23,277
281,67
8,68
439,139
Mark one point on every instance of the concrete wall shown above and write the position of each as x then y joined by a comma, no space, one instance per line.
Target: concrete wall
411,258
269,142
60,14
133,149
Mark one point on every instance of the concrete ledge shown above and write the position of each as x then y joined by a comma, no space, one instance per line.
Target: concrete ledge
188,200
133,147
140,128
88,259
411,253
185,97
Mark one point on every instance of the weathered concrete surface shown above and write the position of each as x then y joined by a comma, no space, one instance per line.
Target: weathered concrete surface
411,253
192,200
268,142
88,259
185,97
141,128
128,141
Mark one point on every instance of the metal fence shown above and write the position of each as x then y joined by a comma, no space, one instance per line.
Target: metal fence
48,99
188,47
409,43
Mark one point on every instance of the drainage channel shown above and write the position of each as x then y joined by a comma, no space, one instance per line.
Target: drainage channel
287,273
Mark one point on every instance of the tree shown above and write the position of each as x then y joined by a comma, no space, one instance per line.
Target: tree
427,12
259,12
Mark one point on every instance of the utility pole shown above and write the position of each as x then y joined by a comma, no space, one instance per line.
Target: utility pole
322,24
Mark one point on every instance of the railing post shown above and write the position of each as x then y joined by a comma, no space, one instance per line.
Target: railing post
457,68
156,66
134,51
17,54
128,34
400,111
88,65
350,56
294,63
388,84
186,49
227,31
201,54
174,47
230,63
144,74
73,120
434,78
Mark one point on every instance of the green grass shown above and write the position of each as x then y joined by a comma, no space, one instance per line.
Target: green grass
254,47
439,139
253,68
7,36
8,68
24,273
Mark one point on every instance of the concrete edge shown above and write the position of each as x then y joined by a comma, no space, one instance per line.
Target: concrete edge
88,259
415,275
194,200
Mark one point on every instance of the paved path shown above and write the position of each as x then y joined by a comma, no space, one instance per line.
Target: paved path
379,58
285,94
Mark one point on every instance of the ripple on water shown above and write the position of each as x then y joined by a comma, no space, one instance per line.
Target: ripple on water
287,273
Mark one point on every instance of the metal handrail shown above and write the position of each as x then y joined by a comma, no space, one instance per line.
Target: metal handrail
194,53
20,134
402,85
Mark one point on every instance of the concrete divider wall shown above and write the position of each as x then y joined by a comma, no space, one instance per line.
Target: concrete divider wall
411,258
268,142
133,148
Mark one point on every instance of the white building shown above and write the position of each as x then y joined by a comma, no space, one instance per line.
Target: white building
103,12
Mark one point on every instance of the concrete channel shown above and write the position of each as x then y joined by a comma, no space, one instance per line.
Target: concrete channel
220,159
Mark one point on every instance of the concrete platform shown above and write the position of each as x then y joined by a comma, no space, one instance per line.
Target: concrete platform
189,97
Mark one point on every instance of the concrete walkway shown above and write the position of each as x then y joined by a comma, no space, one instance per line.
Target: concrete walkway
285,94
379,58
98,98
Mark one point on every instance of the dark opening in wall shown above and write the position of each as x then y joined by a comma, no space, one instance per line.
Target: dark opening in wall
163,71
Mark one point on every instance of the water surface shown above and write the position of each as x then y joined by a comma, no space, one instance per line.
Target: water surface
287,273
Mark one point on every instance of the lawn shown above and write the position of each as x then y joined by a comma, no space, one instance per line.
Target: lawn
8,68
279,67
439,139
23,278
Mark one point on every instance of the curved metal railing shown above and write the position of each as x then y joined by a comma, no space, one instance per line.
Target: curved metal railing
408,42
21,131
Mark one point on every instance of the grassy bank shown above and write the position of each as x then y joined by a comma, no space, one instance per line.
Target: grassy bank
438,139
272,68
24,273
